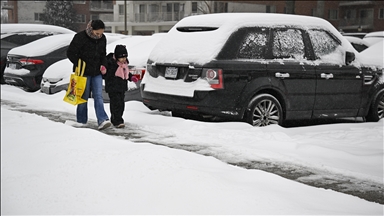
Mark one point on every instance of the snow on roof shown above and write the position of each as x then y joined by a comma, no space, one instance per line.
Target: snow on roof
21,27
201,47
43,46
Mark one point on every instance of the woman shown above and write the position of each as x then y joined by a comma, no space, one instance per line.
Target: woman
90,46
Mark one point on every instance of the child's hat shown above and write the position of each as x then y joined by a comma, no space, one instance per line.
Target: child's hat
120,51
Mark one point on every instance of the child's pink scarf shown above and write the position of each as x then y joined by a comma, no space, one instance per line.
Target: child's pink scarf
122,71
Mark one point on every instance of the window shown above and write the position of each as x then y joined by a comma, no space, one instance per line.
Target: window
270,9
313,12
80,18
39,16
333,14
366,13
254,45
381,13
366,16
288,43
121,9
194,7
95,17
154,8
324,45
350,14
220,7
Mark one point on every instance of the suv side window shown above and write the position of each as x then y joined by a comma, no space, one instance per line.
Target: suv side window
254,45
288,43
323,44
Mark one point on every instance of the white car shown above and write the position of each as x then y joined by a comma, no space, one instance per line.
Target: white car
374,37
373,55
56,77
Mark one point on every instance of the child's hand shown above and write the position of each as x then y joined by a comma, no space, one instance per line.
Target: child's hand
134,79
103,70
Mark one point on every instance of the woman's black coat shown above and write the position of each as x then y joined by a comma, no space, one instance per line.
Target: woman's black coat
92,51
114,83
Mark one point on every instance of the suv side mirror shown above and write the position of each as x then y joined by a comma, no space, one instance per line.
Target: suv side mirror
349,57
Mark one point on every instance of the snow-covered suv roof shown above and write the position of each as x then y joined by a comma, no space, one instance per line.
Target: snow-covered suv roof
199,38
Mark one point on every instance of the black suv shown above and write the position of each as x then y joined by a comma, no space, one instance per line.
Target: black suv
260,68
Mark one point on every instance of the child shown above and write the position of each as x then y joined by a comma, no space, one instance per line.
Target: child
116,83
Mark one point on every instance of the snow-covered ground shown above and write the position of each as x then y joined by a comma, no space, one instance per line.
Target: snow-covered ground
49,167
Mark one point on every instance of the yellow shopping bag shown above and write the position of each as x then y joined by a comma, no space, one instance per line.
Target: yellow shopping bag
76,86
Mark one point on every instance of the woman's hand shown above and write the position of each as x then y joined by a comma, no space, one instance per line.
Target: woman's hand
103,70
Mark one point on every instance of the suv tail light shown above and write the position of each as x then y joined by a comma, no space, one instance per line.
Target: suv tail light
138,72
214,77
31,61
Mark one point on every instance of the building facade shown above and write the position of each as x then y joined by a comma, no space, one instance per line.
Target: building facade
148,17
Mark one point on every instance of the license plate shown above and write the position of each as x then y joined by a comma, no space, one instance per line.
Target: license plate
171,72
12,65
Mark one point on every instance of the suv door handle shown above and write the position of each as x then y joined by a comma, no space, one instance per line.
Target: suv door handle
326,76
281,75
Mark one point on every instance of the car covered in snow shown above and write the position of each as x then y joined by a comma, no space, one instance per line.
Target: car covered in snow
262,69
374,55
17,34
26,64
374,37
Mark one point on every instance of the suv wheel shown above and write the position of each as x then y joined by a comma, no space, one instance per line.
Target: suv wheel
264,110
376,111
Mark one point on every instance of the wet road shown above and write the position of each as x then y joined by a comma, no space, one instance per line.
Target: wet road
370,191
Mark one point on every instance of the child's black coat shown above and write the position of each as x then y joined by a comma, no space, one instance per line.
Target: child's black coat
114,83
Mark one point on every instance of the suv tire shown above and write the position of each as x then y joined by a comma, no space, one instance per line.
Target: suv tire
263,110
376,110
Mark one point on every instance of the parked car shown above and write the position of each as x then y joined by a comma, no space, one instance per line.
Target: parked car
5,47
374,37
262,69
56,77
357,43
14,35
26,64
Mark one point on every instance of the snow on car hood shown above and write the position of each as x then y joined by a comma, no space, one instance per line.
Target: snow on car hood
43,46
60,69
202,47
